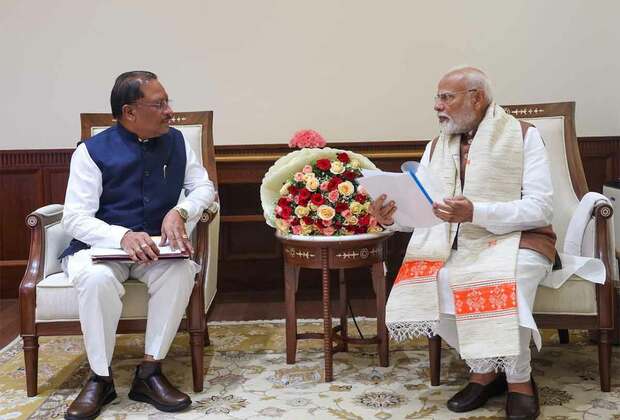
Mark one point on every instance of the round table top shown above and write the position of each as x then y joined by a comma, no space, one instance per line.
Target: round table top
344,238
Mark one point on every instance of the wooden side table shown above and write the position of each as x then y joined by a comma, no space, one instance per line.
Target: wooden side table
339,253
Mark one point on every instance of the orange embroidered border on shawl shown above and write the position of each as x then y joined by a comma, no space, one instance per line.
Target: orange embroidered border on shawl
485,299
418,271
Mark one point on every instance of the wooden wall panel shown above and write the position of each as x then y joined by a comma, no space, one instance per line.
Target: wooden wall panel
601,160
29,179
250,257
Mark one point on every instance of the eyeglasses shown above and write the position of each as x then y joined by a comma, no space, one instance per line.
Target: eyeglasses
448,97
160,106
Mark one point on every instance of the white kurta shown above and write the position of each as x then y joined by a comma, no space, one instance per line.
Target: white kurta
99,286
533,210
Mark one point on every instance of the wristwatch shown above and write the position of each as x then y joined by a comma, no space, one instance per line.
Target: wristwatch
182,212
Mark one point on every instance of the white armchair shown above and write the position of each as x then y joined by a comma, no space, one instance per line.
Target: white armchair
48,301
577,304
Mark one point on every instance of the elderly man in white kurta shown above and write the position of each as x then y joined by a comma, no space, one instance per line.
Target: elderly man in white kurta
473,279
124,187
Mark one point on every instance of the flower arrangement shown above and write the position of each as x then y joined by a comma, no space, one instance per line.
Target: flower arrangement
306,138
313,191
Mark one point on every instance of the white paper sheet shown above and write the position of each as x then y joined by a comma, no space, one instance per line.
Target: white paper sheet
413,201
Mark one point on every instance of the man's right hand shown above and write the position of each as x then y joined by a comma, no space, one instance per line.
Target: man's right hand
381,211
140,247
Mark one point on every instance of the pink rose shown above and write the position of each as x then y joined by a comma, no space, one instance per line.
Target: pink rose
328,231
307,169
346,213
296,230
324,185
306,138
299,177
333,196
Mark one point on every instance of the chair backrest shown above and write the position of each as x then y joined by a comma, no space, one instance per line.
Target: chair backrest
197,128
556,123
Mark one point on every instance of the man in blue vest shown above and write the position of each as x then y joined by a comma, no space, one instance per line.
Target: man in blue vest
124,187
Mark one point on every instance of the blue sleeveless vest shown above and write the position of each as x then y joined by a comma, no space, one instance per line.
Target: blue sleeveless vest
141,181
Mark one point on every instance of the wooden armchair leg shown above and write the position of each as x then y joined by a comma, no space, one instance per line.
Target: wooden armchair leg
31,360
604,360
564,337
196,341
434,352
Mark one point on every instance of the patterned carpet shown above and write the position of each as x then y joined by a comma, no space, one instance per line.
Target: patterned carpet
246,377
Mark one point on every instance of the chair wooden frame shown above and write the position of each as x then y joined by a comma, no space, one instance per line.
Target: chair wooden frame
195,321
603,322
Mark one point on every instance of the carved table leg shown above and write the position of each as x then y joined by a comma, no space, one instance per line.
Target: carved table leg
291,279
343,309
378,283
327,318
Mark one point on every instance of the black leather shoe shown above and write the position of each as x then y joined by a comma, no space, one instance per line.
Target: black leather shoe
151,386
476,395
523,407
97,392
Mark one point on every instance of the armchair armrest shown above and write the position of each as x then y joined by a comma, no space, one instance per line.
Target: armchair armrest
196,309
606,253
37,221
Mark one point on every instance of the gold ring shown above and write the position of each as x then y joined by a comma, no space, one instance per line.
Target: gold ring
144,246
184,236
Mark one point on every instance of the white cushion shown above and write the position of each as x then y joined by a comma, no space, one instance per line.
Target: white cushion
575,297
564,198
193,138
56,240
57,300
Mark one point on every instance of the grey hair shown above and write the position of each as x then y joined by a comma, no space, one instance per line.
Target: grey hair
475,79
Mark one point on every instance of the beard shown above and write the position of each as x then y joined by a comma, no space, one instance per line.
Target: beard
458,123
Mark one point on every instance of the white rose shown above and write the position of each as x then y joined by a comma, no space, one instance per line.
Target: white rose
301,211
346,188
312,184
284,189
337,167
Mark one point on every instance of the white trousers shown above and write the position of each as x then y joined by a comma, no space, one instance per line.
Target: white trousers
532,268
100,288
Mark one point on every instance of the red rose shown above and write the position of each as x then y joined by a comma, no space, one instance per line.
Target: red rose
340,207
337,224
303,202
343,157
286,212
333,183
350,228
295,221
317,199
364,220
360,198
323,164
292,190
308,220
350,175
283,202
361,229
304,194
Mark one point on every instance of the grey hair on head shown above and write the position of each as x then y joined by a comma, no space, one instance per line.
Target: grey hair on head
475,79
